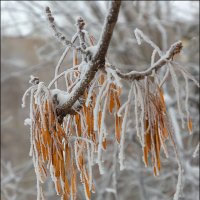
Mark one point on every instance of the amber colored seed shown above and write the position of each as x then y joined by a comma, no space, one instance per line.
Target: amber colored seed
148,141
117,101
154,171
58,186
73,180
112,102
117,128
165,133
190,125
99,119
67,189
87,188
104,144
145,154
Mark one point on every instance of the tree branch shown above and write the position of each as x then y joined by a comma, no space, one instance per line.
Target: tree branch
107,31
134,75
97,62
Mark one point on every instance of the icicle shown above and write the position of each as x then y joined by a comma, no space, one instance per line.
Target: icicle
164,78
179,182
83,139
121,151
196,151
31,125
88,37
92,153
42,194
38,188
42,115
65,73
105,92
89,165
51,172
176,87
186,103
180,170
76,154
83,121
66,82
153,57
36,164
183,70
142,118
139,34
90,93
101,137
26,94
67,124
119,113
75,125
83,68
96,108
116,77
176,127
86,185
74,57
136,112
39,90
153,152
38,95
62,58
163,145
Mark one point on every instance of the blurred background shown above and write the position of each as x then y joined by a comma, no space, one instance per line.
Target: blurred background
28,48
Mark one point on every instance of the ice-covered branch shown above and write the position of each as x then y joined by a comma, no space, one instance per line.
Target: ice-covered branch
60,36
135,75
98,59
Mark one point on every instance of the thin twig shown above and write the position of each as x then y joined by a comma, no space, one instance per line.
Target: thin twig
135,75
60,36
98,60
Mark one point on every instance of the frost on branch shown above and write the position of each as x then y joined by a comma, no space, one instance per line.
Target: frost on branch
72,144
153,122
66,145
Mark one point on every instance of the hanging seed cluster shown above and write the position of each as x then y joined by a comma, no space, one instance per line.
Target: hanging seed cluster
67,150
